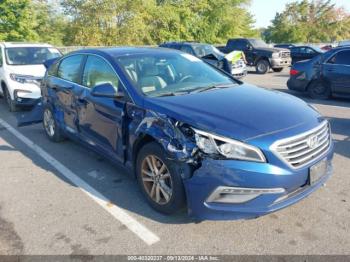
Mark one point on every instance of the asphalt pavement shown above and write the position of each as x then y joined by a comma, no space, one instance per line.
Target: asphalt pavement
60,198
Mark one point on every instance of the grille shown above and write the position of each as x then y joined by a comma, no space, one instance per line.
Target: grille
285,54
300,150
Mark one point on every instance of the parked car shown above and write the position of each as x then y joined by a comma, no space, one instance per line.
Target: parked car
259,54
193,134
344,43
211,55
21,70
286,46
324,75
300,53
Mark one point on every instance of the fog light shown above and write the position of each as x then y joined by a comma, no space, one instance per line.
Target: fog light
237,195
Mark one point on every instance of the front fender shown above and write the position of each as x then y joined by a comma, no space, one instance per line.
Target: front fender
167,133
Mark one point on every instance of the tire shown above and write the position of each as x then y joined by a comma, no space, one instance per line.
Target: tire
278,70
262,67
169,180
10,103
52,130
319,90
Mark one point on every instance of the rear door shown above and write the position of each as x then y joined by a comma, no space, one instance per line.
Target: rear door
337,71
101,119
65,86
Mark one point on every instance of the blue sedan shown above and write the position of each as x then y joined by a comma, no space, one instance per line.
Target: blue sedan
193,136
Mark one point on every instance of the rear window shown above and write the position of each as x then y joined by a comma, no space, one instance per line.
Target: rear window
30,55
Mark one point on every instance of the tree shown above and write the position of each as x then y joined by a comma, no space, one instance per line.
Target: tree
16,22
309,22
137,22
50,24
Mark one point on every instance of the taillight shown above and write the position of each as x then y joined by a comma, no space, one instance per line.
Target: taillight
294,72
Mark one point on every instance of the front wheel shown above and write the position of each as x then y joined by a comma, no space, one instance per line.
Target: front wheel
159,179
319,90
51,127
10,103
262,67
278,70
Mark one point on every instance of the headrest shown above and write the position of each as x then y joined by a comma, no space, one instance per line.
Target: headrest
150,70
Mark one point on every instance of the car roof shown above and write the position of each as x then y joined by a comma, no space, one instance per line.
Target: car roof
124,51
24,44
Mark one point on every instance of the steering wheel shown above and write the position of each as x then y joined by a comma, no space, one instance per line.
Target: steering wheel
183,79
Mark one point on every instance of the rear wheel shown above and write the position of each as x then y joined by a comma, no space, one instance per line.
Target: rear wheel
10,103
278,70
159,179
319,90
52,130
262,67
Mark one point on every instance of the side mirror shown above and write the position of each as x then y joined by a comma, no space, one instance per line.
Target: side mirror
106,90
249,48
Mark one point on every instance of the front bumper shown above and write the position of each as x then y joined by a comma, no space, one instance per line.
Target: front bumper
25,99
239,174
239,72
298,84
280,62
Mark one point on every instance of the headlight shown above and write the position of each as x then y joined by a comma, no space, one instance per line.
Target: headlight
229,148
25,79
275,55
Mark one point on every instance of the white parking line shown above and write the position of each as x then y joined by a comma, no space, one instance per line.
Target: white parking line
121,215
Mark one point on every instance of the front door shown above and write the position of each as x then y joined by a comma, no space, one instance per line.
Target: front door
101,118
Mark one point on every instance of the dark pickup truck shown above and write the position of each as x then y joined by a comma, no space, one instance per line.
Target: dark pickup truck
259,54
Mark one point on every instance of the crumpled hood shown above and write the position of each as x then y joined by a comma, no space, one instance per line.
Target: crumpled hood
240,112
30,70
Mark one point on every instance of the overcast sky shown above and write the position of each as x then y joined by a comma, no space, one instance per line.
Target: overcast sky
264,10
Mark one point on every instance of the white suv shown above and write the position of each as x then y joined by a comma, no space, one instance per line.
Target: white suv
21,70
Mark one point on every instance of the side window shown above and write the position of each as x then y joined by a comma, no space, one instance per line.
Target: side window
53,69
340,58
97,71
187,49
297,50
69,68
309,50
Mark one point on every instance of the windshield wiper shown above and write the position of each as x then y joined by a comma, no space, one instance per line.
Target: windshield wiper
171,94
206,88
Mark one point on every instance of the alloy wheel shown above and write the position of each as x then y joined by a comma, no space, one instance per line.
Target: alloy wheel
49,123
156,179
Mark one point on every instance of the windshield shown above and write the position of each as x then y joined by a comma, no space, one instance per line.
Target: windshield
30,55
258,43
171,74
204,50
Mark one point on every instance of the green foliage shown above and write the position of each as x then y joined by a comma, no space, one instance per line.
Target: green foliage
16,22
309,22
137,22
124,22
